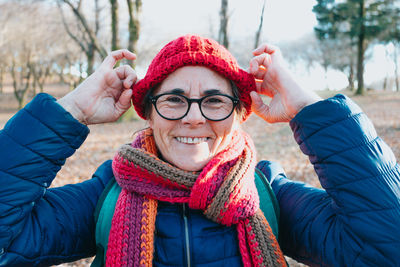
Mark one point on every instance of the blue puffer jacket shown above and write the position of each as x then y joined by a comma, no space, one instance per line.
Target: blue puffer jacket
353,223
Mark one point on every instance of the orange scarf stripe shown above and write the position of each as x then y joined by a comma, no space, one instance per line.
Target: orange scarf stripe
148,221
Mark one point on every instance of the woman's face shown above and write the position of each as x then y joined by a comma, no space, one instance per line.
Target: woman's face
191,142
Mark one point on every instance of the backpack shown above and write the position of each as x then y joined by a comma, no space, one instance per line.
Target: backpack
108,199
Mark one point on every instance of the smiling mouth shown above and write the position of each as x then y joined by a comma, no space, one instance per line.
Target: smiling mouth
191,140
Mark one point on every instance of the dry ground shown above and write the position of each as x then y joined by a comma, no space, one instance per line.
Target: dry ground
274,142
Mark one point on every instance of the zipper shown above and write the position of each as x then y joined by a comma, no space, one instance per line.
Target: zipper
185,220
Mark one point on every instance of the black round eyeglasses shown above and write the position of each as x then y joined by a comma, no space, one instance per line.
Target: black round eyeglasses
174,106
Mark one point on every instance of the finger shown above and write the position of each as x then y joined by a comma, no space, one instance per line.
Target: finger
259,66
124,102
114,56
263,89
125,72
260,60
265,48
130,80
260,73
258,106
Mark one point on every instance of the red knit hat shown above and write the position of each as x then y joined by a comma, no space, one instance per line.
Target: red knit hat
194,50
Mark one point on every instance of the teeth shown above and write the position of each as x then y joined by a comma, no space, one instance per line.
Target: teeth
191,140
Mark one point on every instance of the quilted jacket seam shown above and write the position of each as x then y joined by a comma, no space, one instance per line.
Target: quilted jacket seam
79,136
374,210
365,142
33,151
304,137
392,170
21,178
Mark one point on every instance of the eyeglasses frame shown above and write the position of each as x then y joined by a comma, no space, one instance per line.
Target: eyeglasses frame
154,99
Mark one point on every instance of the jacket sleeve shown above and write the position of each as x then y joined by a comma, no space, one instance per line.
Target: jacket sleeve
355,220
41,226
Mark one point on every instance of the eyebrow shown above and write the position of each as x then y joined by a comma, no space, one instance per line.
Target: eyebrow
181,91
212,92
175,91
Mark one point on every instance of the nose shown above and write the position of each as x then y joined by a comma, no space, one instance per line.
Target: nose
194,115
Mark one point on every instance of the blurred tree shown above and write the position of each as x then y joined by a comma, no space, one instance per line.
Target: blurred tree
134,8
223,27
40,71
33,46
84,35
5,17
344,57
392,35
259,30
359,20
21,74
396,67
336,54
114,25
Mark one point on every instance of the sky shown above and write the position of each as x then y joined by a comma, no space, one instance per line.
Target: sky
284,21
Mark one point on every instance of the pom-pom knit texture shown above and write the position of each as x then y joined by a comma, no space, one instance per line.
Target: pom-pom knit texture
224,190
193,50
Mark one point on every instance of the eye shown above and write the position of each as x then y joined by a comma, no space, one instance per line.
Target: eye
213,100
173,99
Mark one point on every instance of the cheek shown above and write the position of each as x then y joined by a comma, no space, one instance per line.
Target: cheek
161,129
224,132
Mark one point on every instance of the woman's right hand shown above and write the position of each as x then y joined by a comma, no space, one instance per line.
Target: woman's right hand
105,95
274,80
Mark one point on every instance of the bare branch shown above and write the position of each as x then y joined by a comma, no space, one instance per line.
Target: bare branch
258,34
67,29
82,19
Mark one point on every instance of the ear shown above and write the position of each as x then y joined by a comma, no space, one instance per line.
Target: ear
150,122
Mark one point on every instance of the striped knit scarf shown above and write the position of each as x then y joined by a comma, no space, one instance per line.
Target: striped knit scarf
224,190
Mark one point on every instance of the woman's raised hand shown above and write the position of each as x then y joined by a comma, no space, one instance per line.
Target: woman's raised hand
274,80
105,95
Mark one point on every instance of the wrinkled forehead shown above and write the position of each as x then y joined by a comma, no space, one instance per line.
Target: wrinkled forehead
195,80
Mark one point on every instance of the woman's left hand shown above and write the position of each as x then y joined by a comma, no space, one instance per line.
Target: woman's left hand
273,79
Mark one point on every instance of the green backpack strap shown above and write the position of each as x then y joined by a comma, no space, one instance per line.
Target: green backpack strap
268,202
103,216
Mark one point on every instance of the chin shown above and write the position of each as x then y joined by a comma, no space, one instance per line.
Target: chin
191,165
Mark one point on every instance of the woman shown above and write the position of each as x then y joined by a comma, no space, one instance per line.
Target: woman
183,192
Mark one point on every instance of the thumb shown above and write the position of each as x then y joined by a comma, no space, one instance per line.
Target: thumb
124,102
259,107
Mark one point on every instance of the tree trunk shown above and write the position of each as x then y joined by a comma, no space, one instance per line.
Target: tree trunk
96,17
325,66
1,80
385,82
21,83
134,26
361,49
43,77
396,69
90,60
35,74
223,29
258,33
114,25
61,78
350,77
